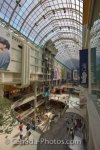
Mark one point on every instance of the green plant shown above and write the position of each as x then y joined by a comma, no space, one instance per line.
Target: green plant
1,119
4,105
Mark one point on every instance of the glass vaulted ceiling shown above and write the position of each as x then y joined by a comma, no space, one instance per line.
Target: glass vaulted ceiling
43,20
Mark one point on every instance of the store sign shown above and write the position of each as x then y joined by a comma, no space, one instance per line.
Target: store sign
84,67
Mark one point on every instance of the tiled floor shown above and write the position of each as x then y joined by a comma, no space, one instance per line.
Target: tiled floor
58,132
8,144
78,142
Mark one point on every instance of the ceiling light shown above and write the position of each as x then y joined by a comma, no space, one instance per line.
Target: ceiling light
64,10
44,17
53,12
69,28
36,24
18,2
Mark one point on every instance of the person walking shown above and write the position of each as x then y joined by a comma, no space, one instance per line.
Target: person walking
33,124
21,134
28,128
18,118
21,126
72,133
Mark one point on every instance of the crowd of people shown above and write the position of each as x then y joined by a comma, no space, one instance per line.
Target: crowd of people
75,125
29,127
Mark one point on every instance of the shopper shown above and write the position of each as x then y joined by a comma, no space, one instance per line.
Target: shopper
21,126
67,124
75,124
72,133
18,118
38,119
28,128
21,134
33,125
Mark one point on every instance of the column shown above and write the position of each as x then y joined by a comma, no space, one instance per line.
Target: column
89,64
35,101
25,65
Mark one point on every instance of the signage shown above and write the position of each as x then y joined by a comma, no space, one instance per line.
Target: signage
93,65
83,66
57,72
5,48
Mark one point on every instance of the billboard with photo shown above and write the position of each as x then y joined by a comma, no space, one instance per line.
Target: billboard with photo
5,48
57,72
84,66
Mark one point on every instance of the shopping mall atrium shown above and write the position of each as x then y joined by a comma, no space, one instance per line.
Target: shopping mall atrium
49,75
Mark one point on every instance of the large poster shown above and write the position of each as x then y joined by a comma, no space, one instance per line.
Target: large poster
97,74
5,46
93,65
57,72
84,67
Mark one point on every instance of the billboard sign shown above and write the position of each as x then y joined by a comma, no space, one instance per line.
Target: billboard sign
83,66
57,72
5,46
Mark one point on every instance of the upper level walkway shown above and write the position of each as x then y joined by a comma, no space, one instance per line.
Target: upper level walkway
64,98
26,99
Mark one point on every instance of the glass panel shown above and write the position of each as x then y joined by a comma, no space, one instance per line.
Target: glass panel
95,60
43,20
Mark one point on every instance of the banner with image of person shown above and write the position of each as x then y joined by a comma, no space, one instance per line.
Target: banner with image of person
57,72
5,46
83,66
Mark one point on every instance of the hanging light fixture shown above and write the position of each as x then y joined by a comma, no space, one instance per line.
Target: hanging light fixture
44,17
53,12
36,24
64,10
18,2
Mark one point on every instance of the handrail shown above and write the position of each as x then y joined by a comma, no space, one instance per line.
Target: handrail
27,119
14,114
76,104
22,99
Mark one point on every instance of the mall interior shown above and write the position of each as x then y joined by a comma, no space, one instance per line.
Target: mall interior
50,74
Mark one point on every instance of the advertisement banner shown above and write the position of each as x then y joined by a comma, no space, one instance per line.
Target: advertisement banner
83,66
57,72
5,48
93,65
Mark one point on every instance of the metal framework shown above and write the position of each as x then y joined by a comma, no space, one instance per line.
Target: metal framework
43,20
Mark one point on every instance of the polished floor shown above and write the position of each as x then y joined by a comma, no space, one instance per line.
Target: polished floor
59,132
80,146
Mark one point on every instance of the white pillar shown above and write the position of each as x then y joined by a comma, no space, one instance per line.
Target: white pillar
35,101
25,65
1,90
89,64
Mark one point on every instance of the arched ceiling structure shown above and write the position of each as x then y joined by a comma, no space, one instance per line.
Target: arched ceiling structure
42,20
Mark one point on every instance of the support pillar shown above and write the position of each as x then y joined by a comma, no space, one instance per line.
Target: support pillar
35,101
89,63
